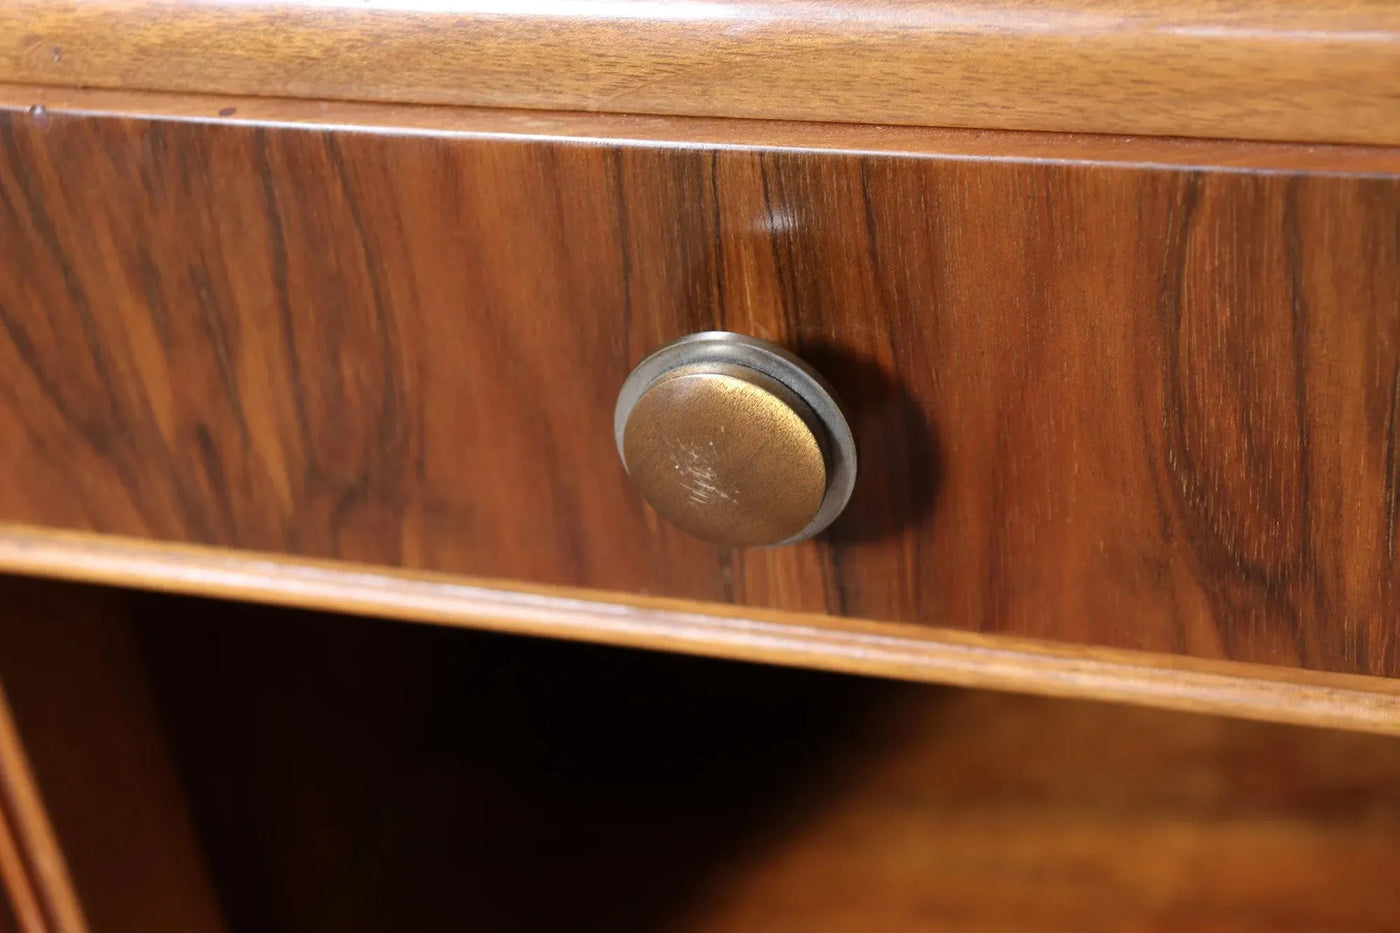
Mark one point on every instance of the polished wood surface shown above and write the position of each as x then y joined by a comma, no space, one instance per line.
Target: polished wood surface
438,780
821,642
88,779
1132,405
1321,71
985,812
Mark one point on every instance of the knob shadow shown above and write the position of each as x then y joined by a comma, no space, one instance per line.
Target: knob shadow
900,468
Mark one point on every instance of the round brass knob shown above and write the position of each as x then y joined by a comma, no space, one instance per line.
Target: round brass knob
735,441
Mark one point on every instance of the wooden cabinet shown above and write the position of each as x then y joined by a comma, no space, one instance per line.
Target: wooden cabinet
306,320
1136,395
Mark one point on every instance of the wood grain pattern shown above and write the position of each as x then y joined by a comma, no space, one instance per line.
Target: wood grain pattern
453,775
847,645
90,788
1129,405
1321,71
985,812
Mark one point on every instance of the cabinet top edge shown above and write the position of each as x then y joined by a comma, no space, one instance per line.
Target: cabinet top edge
1321,71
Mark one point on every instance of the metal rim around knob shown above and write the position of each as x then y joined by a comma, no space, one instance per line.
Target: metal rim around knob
725,348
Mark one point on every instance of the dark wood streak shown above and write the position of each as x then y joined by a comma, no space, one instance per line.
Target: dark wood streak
277,246
716,244
1237,587
155,297
624,246
778,226
217,332
1383,252
1303,576
1145,404
385,447
1392,466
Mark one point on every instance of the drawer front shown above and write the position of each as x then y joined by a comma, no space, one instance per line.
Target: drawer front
1122,404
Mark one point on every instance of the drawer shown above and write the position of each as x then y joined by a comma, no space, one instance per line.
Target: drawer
1115,392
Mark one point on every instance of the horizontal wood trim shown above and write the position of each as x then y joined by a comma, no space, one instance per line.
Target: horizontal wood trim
1323,71
653,132
792,639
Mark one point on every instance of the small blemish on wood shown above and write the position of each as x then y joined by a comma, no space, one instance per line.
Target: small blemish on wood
57,53
228,111
40,115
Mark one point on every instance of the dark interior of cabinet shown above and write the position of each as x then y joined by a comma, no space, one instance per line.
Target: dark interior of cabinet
364,775
345,774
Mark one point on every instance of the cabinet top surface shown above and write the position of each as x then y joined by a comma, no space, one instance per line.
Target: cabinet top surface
1263,70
